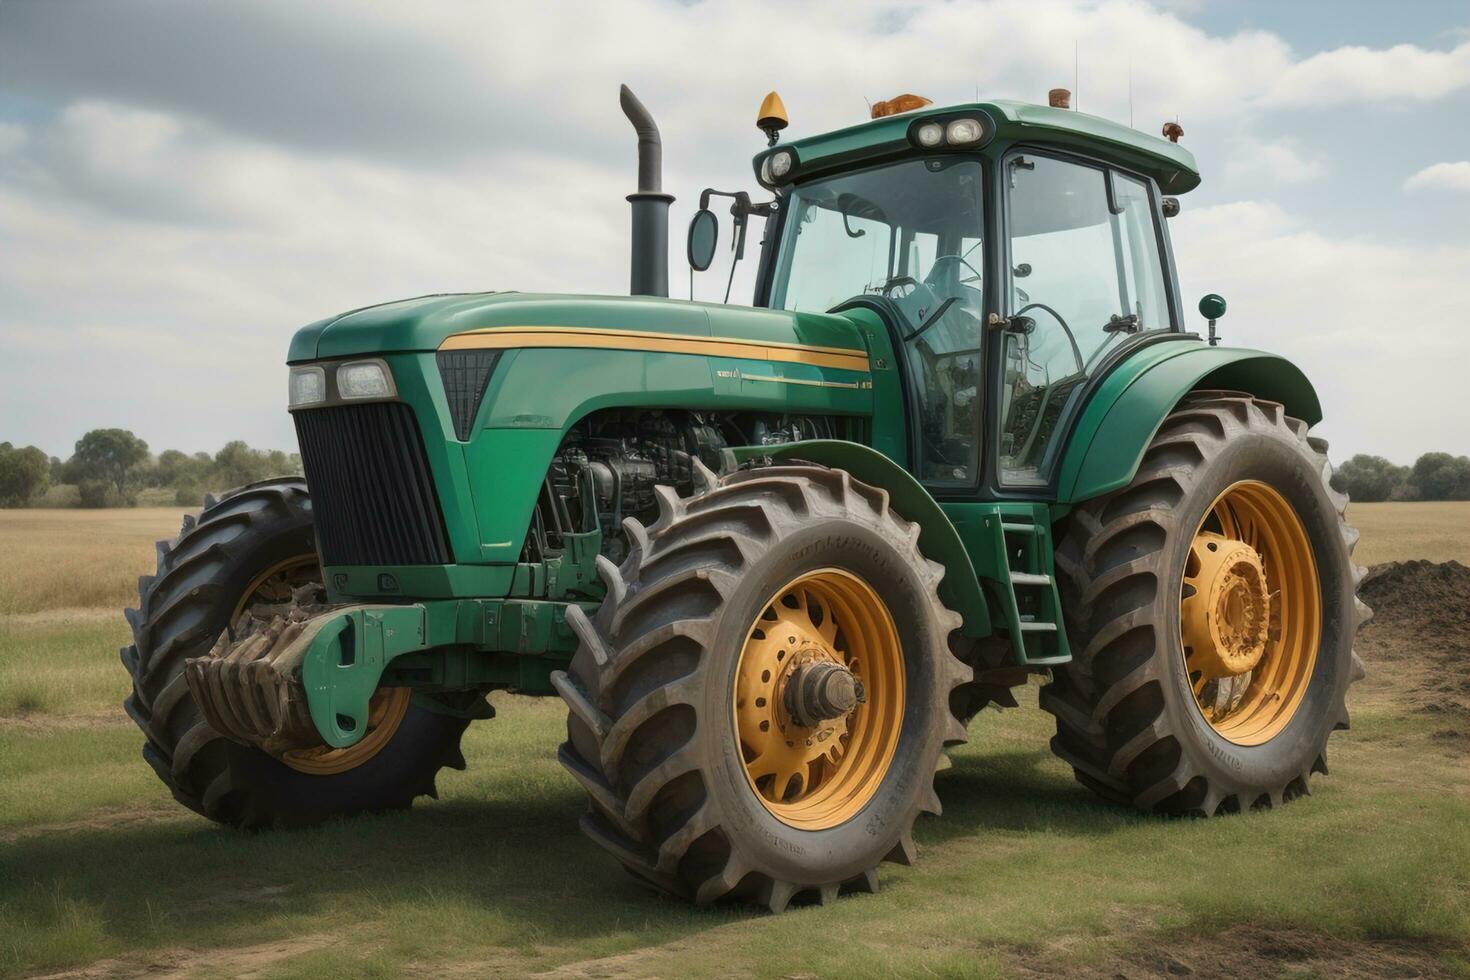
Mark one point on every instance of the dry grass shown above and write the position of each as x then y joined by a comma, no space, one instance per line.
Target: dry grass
71,559
1437,530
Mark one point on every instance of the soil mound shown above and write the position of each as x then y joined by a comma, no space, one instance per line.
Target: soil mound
1431,598
1421,619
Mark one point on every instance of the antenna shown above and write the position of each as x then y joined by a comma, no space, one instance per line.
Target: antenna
1076,77
1130,90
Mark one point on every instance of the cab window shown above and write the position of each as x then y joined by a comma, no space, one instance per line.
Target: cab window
911,232
1086,273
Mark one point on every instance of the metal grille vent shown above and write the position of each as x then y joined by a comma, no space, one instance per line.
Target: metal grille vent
466,374
371,491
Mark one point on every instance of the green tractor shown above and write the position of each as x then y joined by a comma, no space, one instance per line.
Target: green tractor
774,558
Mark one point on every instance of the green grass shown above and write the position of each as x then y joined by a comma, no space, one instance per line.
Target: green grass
98,865
59,665
496,872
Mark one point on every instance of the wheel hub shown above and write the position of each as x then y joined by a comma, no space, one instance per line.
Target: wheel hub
821,690
819,699
1226,621
1250,613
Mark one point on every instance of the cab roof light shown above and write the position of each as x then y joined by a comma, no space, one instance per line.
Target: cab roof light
907,102
951,131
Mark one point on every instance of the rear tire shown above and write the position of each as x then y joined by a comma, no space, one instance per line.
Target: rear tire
202,577
654,685
1128,721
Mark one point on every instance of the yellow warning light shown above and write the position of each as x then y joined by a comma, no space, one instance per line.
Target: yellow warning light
772,117
900,103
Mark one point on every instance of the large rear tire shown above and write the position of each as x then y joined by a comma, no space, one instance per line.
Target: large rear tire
204,577
1211,605
702,774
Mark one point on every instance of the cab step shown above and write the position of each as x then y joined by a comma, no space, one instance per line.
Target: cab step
1022,576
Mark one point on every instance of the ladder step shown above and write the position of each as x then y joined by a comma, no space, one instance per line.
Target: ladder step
1038,627
1010,528
1026,578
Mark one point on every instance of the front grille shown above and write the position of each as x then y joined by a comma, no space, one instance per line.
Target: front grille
371,491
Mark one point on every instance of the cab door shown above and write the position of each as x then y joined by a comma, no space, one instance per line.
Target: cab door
1085,274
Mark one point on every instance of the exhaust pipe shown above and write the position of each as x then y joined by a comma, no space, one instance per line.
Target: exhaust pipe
650,274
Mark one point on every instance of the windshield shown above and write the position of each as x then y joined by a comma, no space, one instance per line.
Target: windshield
911,232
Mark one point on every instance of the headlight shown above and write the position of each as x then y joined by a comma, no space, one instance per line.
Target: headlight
766,171
364,379
780,164
307,386
963,131
930,134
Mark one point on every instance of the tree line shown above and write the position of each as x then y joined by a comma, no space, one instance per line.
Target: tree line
112,467
1434,476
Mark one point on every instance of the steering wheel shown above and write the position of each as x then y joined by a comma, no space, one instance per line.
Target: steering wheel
931,279
1071,337
896,282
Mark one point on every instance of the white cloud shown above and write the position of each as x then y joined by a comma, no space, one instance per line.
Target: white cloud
199,192
1441,177
1281,162
1404,72
12,137
1378,327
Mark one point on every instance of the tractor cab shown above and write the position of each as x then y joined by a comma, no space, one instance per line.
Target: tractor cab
1013,251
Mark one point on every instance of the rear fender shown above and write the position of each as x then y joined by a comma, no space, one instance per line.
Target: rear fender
1119,420
938,539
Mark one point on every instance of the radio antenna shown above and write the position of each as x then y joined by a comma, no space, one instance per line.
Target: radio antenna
1076,77
1130,90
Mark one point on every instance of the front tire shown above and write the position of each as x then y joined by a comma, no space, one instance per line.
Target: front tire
1212,606
218,561
679,727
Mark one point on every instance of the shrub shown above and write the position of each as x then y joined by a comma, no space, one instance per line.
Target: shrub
1367,479
24,475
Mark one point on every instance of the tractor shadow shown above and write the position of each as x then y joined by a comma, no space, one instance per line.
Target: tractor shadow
511,853
1019,790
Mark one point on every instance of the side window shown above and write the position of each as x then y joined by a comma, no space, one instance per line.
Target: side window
1083,278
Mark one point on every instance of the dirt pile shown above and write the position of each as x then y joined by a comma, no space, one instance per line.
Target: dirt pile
1431,598
1421,621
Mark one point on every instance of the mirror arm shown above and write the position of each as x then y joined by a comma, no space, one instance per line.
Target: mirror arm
741,208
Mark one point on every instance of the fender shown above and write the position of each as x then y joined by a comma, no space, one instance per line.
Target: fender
938,538
1119,420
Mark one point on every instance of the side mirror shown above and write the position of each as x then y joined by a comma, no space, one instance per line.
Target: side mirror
704,234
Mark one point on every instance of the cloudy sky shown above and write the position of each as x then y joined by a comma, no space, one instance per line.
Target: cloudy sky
184,183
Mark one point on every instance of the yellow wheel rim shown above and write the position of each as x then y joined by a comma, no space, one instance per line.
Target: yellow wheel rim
1250,614
386,709
812,757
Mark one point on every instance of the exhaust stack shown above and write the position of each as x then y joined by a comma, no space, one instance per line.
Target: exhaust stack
650,272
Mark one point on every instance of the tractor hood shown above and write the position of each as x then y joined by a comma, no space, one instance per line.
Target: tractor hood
423,323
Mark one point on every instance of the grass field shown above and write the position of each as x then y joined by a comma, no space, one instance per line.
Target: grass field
1026,874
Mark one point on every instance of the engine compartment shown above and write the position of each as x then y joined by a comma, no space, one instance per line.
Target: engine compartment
609,462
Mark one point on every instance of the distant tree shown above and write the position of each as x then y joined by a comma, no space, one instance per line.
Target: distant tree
1440,476
24,474
238,464
100,493
113,457
1367,479
179,469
